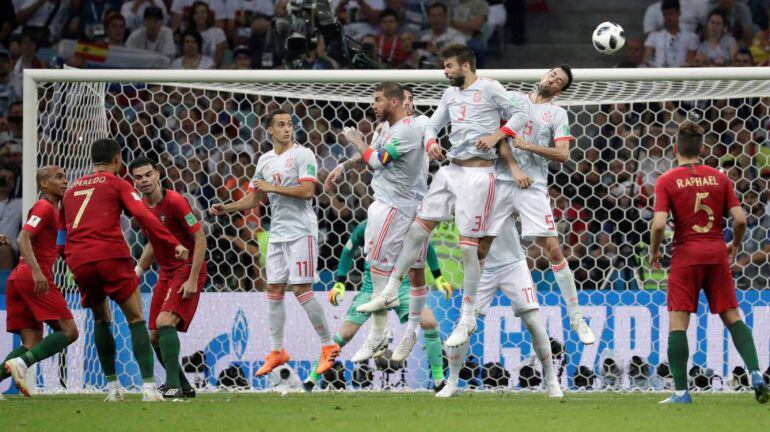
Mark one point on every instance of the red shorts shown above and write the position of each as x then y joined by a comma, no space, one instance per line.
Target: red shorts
113,278
716,280
25,310
167,298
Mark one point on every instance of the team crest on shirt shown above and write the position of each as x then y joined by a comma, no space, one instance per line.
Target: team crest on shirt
546,117
163,219
289,162
477,97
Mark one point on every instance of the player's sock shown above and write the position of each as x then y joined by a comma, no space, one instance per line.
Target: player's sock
168,340
140,345
434,353
410,251
678,354
182,377
16,352
744,343
105,348
379,279
316,315
379,325
339,340
456,360
540,342
566,282
50,345
417,298
471,277
276,317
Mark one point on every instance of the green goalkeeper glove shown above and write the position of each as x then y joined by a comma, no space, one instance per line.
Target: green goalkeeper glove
69,278
444,287
337,293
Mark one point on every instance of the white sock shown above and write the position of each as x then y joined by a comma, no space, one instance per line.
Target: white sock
566,282
410,251
417,299
115,385
379,325
540,343
456,361
380,278
471,277
276,317
316,315
148,386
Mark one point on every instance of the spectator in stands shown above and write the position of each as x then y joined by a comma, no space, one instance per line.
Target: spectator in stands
7,91
90,18
753,263
760,47
214,39
10,218
45,19
739,21
11,158
115,29
469,16
27,60
249,25
153,36
743,58
358,17
181,11
439,32
412,14
7,21
192,58
11,124
390,44
133,12
633,53
718,47
689,18
671,47
241,58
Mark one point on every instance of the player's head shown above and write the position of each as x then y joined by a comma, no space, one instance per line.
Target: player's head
106,151
51,180
459,62
555,81
145,174
689,140
408,100
388,97
278,123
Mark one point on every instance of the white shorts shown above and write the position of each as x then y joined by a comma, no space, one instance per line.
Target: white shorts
292,262
533,206
386,229
468,192
515,281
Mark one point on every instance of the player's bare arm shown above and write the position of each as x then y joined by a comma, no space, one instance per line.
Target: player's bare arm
522,179
340,169
249,201
190,287
657,228
25,249
558,153
305,190
739,230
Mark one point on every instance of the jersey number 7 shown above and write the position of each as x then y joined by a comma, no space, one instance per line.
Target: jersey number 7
83,205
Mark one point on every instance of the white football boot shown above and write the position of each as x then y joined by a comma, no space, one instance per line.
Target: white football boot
371,349
461,334
449,390
379,302
554,389
405,346
580,327
150,393
18,369
114,392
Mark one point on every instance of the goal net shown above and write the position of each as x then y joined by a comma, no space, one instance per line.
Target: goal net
205,129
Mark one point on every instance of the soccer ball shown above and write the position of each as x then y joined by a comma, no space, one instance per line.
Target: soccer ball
608,37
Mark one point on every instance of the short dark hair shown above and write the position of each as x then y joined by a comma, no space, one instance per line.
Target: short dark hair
720,13
272,114
104,150
461,51
437,5
388,12
689,139
141,161
567,70
670,4
195,35
408,88
14,103
391,90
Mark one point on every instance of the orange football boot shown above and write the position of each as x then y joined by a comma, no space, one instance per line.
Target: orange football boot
329,354
272,360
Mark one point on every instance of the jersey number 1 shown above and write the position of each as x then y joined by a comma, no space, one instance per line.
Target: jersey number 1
699,197
83,205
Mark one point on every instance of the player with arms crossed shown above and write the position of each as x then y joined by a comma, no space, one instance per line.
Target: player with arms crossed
177,291
101,263
506,270
544,138
465,187
287,175
31,296
698,198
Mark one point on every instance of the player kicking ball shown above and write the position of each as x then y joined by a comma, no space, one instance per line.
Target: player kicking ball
287,175
180,283
32,297
697,197
101,263
506,270
523,185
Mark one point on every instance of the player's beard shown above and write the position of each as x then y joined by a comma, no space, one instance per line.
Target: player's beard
384,115
457,81
544,90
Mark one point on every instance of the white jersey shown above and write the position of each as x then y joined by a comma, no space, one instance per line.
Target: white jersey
474,113
546,124
396,183
291,218
506,248
421,188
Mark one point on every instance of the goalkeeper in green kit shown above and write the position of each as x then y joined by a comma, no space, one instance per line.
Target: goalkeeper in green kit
354,320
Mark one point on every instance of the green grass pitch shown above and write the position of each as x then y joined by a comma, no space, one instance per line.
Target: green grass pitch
402,412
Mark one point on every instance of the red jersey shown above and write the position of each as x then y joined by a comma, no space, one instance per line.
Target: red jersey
90,215
175,213
42,223
698,197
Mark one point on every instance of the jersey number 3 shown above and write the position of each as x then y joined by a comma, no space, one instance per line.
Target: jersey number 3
700,206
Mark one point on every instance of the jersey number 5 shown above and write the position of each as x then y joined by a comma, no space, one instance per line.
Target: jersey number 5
699,197
83,205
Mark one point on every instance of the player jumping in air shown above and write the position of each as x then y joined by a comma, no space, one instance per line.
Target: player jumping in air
31,296
506,270
698,197
287,175
177,291
101,263
465,187
544,138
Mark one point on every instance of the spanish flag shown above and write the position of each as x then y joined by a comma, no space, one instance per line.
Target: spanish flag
92,51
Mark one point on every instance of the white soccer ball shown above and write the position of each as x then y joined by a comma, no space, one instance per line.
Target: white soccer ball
608,37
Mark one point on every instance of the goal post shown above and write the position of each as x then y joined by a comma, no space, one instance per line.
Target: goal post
204,127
